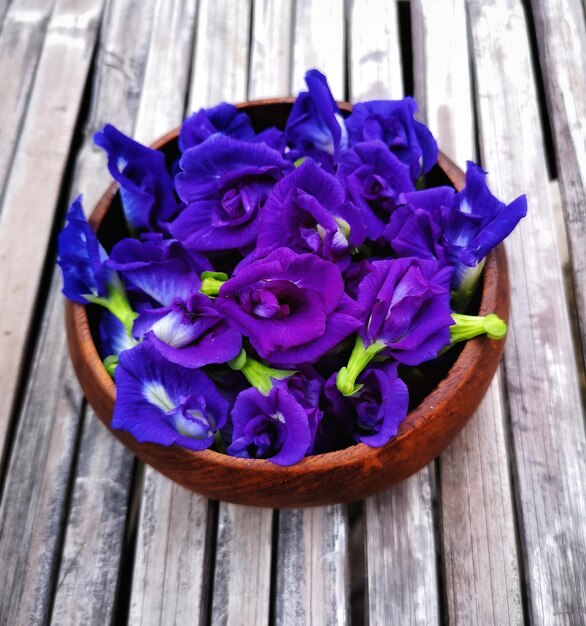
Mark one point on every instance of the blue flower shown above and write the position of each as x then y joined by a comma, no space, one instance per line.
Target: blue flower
82,258
161,402
146,187
393,123
315,126
273,427
224,184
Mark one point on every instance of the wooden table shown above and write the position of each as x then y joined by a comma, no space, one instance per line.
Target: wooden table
493,532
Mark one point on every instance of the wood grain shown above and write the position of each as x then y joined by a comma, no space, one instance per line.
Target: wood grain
312,576
41,157
33,509
243,565
170,577
380,76
547,422
401,578
561,41
21,41
318,42
169,574
481,571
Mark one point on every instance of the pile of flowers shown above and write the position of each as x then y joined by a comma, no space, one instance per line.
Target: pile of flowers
277,288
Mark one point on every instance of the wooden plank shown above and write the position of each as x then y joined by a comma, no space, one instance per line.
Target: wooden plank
403,581
312,585
243,544
28,209
243,565
400,555
374,53
270,55
561,41
171,552
169,577
221,53
477,509
36,488
547,421
88,574
319,42
442,78
21,41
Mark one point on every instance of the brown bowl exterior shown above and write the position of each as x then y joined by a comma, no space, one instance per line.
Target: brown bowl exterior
342,476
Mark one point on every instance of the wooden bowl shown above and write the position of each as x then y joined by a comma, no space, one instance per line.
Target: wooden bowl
342,476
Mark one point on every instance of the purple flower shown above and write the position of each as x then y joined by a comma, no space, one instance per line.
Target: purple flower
146,187
224,118
472,221
224,184
162,269
114,337
164,403
291,306
392,122
373,414
82,258
407,305
315,126
190,332
307,211
273,427
415,232
374,178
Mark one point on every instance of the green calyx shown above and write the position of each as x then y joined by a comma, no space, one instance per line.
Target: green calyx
256,373
361,356
300,161
211,282
117,303
469,326
110,363
461,298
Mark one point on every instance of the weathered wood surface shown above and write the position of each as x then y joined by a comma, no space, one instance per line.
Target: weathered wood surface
401,579
42,154
318,42
21,40
312,579
547,423
561,41
242,567
480,556
402,516
34,502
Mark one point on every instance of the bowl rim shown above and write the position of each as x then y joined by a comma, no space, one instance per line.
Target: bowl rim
456,379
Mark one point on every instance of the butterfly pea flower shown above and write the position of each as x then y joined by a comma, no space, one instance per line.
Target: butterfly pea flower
146,187
373,414
414,232
473,222
160,268
87,278
274,427
291,306
307,211
191,332
315,126
224,184
393,123
161,402
374,179
227,120
407,315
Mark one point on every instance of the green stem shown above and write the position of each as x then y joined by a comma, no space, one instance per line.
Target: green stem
256,373
359,359
469,326
117,303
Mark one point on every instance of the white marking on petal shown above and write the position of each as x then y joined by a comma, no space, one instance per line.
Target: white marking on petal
279,417
465,207
344,136
194,429
156,394
172,330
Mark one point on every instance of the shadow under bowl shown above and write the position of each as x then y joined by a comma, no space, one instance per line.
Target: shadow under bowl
355,472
